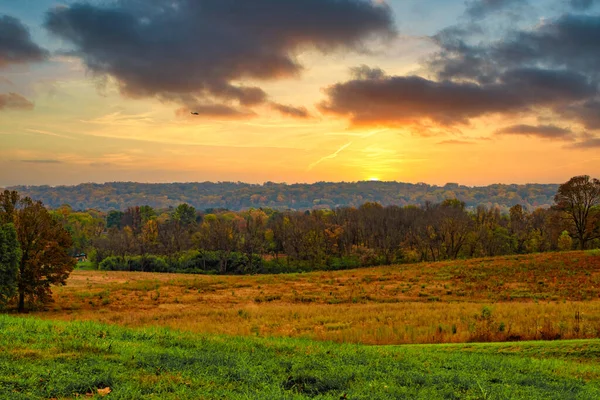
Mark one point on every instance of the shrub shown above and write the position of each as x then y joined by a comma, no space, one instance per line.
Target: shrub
565,243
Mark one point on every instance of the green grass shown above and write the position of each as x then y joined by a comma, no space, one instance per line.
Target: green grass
85,266
47,359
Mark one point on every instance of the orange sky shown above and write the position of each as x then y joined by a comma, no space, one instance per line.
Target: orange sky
84,129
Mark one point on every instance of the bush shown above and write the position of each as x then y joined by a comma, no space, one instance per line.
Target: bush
147,263
565,243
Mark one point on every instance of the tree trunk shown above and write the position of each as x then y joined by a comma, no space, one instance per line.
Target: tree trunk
21,301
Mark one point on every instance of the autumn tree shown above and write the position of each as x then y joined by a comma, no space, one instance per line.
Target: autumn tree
221,233
565,243
253,234
579,198
44,243
185,214
10,256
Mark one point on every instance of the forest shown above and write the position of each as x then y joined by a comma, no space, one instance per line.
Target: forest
267,240
280,196
264,240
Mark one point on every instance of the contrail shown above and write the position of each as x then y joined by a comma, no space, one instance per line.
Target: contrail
41,132
332,155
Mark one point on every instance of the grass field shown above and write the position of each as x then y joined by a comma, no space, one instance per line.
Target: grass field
540,296
51,359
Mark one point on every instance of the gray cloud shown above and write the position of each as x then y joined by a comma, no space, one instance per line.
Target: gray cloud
194,51
481,8
586,112
582,5
295,112
14,101
553,67
16,46
568,42
551,132
393,100
591,143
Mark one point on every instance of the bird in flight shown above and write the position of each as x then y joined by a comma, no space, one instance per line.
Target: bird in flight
194,113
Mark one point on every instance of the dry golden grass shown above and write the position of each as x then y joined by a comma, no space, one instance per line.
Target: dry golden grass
542,296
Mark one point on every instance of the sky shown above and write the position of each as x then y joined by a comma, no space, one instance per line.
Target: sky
475,92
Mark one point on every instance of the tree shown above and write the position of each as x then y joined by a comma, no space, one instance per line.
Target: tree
579,198
44,243
185,214
10,256
113,219
565,243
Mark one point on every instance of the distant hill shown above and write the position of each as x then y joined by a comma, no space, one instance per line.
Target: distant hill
237,195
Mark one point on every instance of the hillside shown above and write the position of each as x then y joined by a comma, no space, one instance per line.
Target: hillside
236,196
44,359
536,296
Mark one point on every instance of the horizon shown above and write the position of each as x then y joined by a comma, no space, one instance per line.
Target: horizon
284,183
305,91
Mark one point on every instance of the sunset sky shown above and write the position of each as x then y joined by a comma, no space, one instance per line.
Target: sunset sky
436,91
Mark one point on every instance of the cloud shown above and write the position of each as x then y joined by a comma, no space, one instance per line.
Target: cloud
455,142
14,101
591,143
197,51
478,9
551,68
566,43
399,100
582,5
586,112
16,46
551,132
42,161
295,112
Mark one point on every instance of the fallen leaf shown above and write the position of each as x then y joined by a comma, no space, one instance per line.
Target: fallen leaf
104,392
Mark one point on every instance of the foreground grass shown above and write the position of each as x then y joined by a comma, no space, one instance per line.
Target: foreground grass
529,297
46,359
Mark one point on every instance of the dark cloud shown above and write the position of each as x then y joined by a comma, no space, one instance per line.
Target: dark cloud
394,100
586,112
582,5
569,42
295,112
197,50
14,101
541,86
552,68
591,143
481,8
16,46
551,132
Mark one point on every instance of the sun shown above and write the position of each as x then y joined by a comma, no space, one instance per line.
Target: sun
374,179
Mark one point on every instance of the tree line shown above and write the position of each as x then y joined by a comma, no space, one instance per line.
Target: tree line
280,196
267,240
38,246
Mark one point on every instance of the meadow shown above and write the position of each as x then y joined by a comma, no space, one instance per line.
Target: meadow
61,360
544,296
